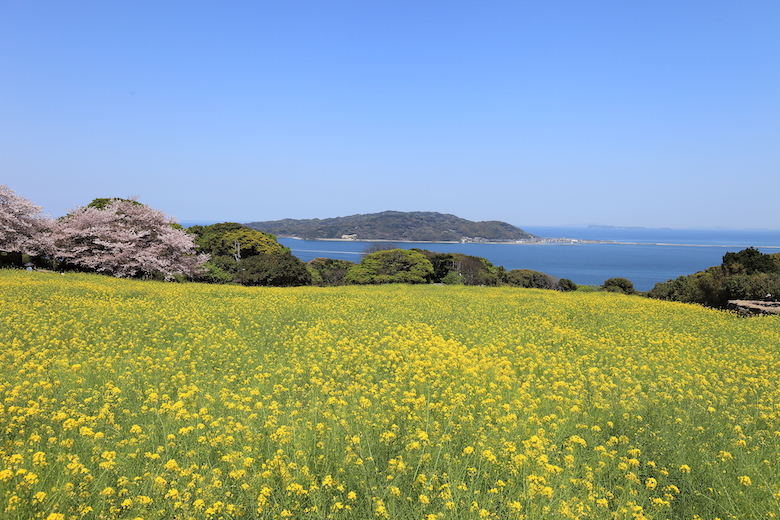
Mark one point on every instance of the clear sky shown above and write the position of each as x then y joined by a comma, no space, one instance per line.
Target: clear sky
630,113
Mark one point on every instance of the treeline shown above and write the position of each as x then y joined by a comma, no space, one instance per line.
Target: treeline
246,256
383,263
124,238
746,275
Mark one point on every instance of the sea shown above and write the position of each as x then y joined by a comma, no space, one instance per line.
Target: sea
645,256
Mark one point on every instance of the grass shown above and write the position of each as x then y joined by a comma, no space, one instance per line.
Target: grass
127,399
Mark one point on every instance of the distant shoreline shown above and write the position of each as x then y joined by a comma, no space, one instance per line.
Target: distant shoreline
536,241
541,241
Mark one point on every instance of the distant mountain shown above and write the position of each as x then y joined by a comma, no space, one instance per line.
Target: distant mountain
415,226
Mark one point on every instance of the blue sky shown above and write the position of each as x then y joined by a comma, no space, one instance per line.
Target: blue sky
640,113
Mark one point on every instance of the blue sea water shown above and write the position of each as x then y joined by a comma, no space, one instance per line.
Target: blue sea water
644,256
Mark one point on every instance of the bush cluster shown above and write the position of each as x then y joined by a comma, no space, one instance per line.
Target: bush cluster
746,275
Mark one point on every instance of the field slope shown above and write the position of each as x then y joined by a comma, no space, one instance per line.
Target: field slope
126,399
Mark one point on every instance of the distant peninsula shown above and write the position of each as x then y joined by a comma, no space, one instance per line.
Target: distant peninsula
414,226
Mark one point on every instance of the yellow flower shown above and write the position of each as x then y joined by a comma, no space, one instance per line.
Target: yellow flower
171,465
39,458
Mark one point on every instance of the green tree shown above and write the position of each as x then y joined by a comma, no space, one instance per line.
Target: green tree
469,270
619,285
745,275
748,261
477,270
443,264
247,256
232,239
102,203
453,278
219,269
530,279
276,270
328,271
566,285
391,266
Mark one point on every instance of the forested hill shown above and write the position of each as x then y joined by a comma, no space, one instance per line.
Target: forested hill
425,226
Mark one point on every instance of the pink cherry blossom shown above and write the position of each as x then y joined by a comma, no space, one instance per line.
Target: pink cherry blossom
22,225
126,239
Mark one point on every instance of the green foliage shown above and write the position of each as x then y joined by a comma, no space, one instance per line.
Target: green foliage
453,278
11,259
469,270
477,271
619,285
702,287
316,278
378,265
328,271
566,285
102,203
391,266
249,257
276,270
218,272
530,279
395,225
746,275
748,261
222,239
443,264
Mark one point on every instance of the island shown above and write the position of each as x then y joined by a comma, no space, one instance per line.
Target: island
414,226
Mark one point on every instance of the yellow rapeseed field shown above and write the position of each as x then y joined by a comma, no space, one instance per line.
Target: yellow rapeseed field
145,400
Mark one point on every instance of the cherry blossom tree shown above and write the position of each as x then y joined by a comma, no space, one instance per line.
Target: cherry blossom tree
22,224
124,238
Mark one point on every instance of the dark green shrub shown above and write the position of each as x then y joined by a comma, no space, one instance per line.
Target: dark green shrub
391,266
277,270
619,285
566,285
